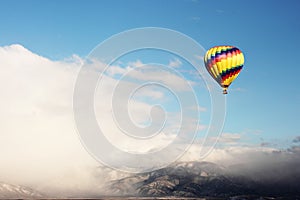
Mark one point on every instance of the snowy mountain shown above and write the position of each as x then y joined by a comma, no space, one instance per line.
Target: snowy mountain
185,179
8,191
200,179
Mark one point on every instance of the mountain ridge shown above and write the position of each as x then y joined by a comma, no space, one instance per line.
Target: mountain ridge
197,180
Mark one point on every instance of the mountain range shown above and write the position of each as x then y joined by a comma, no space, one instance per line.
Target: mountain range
192,180
205,179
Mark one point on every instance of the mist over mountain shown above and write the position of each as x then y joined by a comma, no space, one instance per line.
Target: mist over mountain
205,179
182,180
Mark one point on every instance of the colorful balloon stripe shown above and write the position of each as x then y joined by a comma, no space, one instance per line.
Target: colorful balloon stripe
224,63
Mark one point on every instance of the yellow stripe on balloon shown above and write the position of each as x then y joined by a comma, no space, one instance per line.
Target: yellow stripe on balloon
234,60
228,63
229,80
224,64
240,59
219,64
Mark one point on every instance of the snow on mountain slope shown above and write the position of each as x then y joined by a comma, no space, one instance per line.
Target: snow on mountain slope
8,191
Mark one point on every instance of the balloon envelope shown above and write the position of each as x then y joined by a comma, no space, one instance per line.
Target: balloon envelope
224,64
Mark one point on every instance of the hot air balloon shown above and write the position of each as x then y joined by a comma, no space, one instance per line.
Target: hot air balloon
224,64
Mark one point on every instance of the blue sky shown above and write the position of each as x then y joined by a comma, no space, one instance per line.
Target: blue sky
267,106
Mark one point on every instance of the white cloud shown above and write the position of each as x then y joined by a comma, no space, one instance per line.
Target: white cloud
114,70
39,145
230,138
137,63
153,94
141,72
139,113
38,141
160,75
255,157
175,63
